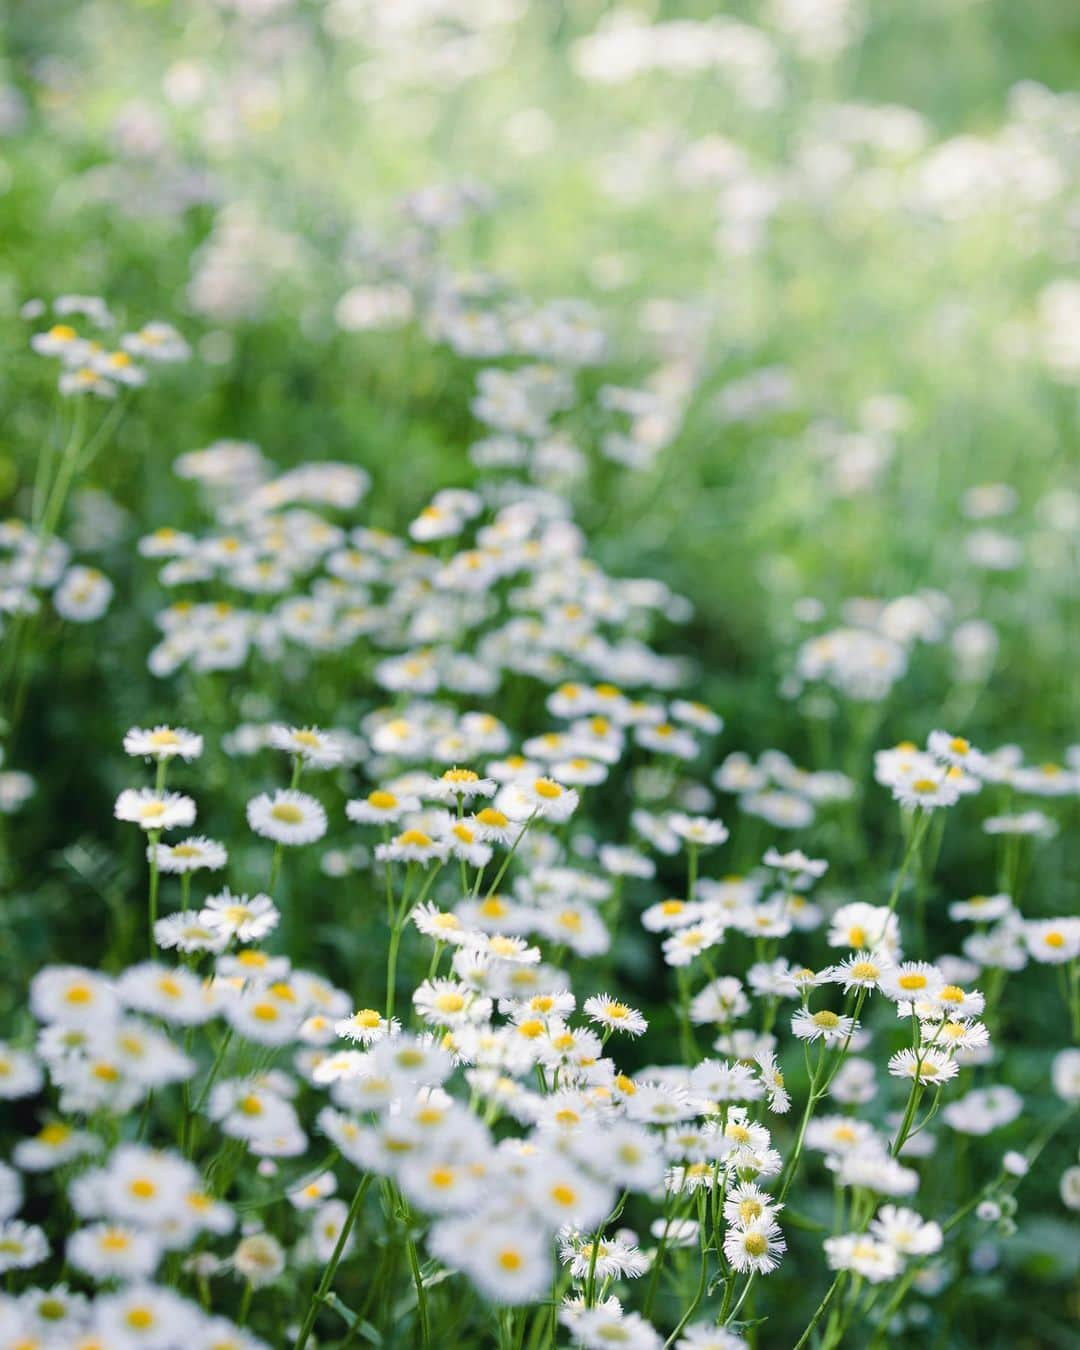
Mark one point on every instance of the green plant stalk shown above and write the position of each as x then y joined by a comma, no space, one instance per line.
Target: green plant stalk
332,1265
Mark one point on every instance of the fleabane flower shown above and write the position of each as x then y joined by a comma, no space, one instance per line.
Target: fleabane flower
832,1028
162,742
366,1026
874,1260
926,788
541,797
860,926
317,749
412,846
381,807
795,863
153,811
245,918
911,980
956,751
926,1065
698,831
194,854
459,784
1053,941
758,1246
465,844
615,1016
863,970
906,1231
288,817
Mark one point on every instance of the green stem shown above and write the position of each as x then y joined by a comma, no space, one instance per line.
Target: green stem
331,1267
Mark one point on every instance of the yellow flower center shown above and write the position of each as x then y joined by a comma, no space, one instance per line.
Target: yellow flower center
287,812
826,1020
914,979
460,776
382,801
414,839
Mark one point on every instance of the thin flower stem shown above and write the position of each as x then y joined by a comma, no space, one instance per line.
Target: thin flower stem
331,1267
819,1313
703,1276
505,863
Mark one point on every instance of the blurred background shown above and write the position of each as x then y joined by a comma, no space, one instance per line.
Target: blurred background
829,247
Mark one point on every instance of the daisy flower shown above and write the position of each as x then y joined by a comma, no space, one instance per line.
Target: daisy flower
381,807
927,789
911,980
366,1026
747,1204
757,1247
907,1232
687,943
412,846
460,785
494,827
113,1251
704,1336
440,925
73,996
163,743
318,749
773,1080
961,1035
795,862
447,1003
875,1261
860,926
542,797
615,1016
956,751
697,831
863,970
154,810
1053,941
196,853
245,918
981,908
22,1245
831,1027
287,817
927,1065
464,843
